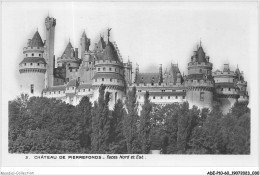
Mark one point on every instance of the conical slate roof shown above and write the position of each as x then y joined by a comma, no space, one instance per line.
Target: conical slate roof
100,45
68,50
36,40
201,55
110,53
84,34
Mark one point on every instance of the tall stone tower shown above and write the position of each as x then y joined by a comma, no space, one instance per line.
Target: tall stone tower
85,43
109,72
33,67
50,24
199,81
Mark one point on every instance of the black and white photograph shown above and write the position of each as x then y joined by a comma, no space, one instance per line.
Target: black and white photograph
126,83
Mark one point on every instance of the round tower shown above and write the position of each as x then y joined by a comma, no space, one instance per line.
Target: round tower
199,81
226,88
33,67
242,86
109,72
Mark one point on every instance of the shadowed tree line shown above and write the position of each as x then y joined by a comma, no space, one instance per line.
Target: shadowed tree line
43,125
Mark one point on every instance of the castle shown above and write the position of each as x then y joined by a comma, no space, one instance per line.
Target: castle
76,76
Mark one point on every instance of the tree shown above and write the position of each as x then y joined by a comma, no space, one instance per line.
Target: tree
145,125
105,126
131,122
208,138
100,123
170,140
83,112
117,138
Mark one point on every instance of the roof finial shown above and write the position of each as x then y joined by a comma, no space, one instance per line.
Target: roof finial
69,39
108,33
37,29
48,14
200,42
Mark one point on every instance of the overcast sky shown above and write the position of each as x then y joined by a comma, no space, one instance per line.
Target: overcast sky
149,33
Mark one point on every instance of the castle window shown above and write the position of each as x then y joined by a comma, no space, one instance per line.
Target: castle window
103,79
115,70
201,96
104,68
110,69
89,63
169,97
229,89
161,97
200,70
24,64
59,91
38,64
163,90
32,88
26,55
40,55
30,63
68,79
153,97
139,97
183,97
176,97
98,69
84,90
32,54
95,80
152,84
222,89
110,79
139,90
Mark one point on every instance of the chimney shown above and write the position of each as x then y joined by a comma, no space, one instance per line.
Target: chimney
76,53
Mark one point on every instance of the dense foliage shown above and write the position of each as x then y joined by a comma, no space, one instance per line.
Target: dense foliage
42,125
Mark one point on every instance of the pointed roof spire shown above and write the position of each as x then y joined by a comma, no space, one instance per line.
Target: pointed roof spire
84,34
67,51
200,42
36,40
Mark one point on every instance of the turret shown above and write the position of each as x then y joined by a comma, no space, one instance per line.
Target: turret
160,74
225,87
242,86
109,72
84,43
136,72
128,72
199,81
33,67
